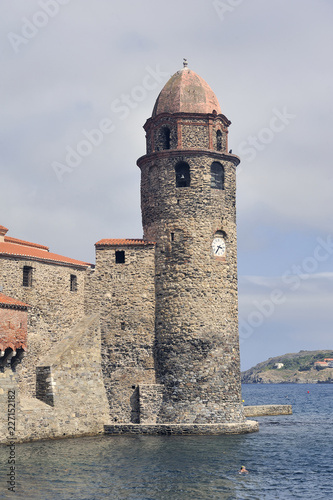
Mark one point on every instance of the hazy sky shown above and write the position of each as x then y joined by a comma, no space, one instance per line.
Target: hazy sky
70,67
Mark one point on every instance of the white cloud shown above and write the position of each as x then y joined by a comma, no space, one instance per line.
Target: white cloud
264,56
296,313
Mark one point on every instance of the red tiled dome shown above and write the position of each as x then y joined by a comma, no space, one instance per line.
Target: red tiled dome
186,92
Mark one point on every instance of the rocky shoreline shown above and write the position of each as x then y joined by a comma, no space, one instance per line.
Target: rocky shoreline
297,368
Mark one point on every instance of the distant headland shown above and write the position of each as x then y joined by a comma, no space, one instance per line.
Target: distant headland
304,367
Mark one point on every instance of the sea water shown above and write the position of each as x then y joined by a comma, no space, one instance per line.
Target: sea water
289,458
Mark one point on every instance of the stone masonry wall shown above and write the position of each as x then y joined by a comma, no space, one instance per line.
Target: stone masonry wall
195,135
197,347
150,402
9,404
54,307
79,404
267,410
186,132
243,427
124,296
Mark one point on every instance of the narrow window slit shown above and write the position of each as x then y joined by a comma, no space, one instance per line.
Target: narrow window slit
73,283
120,256
27,276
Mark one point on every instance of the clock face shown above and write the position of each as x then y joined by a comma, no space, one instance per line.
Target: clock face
218,246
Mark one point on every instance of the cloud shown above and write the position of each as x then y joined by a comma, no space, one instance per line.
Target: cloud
264,56
276,313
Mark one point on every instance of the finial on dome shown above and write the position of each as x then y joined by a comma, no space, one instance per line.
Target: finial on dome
185,63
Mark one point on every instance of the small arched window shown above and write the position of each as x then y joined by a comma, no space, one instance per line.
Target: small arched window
219,140
165,138
183,178
216,176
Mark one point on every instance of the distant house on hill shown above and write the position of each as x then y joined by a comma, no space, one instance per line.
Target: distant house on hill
278,366
320,365
329,362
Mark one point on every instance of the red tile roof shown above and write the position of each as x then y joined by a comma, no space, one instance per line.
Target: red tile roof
4,300
30,252
186,92
3,230
122,242
9,239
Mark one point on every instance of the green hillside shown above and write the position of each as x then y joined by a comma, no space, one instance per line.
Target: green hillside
297,368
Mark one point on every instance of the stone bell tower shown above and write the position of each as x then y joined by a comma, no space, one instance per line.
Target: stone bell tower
188,194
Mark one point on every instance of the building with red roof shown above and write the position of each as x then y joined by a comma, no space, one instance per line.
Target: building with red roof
24,249
54,287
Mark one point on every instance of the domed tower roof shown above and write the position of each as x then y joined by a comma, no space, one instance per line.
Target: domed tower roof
186,92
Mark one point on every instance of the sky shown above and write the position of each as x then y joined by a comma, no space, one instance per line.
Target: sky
79,78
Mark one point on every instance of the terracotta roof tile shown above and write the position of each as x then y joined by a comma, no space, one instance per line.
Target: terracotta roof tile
9,239
20,250
124,242
5,300
186,92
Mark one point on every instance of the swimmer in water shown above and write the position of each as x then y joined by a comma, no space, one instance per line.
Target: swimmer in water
243,470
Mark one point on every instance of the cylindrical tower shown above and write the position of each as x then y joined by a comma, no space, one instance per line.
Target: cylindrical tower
188,194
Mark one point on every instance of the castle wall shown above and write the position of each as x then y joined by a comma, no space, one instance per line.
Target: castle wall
54,307
124,296
78,405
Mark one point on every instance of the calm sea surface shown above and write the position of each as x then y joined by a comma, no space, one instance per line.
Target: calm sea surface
291,457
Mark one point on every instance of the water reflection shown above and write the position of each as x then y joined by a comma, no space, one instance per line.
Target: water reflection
142,467
288,458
